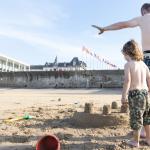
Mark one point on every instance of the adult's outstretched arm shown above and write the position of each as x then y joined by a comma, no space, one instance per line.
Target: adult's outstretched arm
119,25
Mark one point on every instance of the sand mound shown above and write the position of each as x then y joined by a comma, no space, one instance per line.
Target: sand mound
81,119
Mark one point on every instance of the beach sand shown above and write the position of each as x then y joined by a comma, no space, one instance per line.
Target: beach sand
52,110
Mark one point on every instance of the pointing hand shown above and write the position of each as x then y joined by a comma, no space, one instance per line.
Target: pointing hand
101,30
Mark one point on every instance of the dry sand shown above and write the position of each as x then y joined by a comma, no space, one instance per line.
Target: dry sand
53,109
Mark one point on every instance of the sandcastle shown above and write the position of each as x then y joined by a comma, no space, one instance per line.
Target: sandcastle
88,108
102,118
125,108
106,109
114,105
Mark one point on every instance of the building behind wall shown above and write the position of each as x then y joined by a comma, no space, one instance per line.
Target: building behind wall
73,65
8,64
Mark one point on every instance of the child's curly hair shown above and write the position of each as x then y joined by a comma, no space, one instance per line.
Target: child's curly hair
132,49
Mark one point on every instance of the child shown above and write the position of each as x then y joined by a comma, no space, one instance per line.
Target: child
136,85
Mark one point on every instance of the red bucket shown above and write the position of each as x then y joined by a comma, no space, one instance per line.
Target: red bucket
48,142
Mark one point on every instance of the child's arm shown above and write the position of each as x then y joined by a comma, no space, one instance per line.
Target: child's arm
148,78
127,81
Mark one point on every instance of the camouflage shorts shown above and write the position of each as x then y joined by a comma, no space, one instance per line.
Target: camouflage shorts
139,108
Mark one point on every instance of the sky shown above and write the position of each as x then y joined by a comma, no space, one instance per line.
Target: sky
36,31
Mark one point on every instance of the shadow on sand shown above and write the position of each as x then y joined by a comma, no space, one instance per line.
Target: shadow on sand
17,147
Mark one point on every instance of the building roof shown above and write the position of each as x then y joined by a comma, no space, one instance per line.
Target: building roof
73,63
36,67
12,59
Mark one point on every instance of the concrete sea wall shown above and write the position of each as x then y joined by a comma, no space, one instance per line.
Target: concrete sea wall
63,79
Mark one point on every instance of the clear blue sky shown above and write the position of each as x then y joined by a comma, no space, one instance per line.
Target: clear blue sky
35,31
